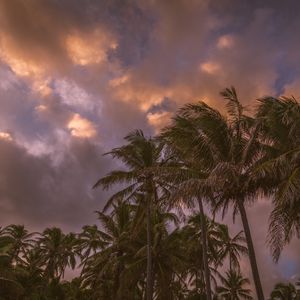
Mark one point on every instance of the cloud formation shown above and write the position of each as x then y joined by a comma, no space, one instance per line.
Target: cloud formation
81,127
78,75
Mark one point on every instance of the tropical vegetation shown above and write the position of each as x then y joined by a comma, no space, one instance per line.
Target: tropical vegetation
160,235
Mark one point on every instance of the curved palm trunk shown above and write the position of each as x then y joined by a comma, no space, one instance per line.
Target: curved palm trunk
252,257
149,285
204,246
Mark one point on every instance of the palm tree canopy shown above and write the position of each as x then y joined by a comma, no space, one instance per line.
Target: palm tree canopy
234,287
284,291
140,156
280,131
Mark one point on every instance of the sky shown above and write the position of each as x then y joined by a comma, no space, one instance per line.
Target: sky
77,75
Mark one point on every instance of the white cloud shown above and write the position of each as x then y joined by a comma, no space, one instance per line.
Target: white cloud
73,95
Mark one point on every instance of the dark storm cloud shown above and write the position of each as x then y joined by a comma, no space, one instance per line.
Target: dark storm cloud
37,193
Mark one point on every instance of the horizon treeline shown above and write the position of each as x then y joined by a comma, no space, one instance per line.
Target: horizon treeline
155,239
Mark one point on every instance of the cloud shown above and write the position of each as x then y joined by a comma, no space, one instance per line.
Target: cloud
6,136
40,41
88,49
225,42
37,193
81,127
74,95
159,120
71,67
210,67
292,89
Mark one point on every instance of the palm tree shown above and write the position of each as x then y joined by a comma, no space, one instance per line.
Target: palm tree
169,257
233,287
32,275
55,250
140,155
231,247
22,241
226,149
74,291
284,291
10,288
169,264
90,240
192,237
184,174
280,119
105,268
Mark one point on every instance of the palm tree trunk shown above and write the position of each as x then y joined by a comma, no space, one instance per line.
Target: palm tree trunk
252,257
119,270
204,247
149,291
230,263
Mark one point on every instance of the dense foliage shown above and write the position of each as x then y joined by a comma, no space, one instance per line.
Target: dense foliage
157,237
112,258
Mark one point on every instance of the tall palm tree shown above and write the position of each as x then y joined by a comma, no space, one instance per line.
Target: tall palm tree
234,287
280,120
185,171
226,149
284,291
140,155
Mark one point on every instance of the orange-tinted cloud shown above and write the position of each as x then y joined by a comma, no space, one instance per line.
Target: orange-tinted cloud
159,120
89,48
81,127
5,136
39,42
